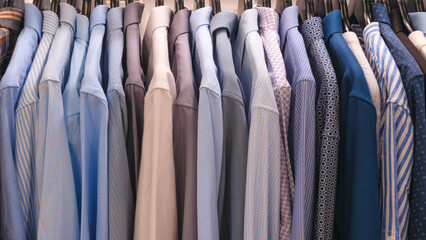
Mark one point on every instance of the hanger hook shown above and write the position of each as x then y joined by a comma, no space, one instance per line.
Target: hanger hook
419,5
309,8
159,3
345,15
328,5
405,18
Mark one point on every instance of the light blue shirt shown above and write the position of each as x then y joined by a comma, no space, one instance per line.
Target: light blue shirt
210,126
11,220
26,126
94,131
71,98
418,19
58,216
262,206
302,122
121,204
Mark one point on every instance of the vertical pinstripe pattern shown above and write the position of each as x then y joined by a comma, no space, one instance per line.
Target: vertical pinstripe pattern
302,123
26,126
58,216
395,136
268,29
121,205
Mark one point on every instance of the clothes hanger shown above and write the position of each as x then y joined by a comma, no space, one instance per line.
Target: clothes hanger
386,4
419,5
309,8
282,4
248,4
266,3
345,17
159,3
78,4
405,18
367,11
179,5
328,6
199,4
216,6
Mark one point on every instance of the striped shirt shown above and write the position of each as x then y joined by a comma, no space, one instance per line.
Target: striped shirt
395,136
26,125
302,122
11,219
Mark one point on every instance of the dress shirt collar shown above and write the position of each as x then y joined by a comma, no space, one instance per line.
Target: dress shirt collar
380,14
82,28
351,38
418,39
159,17
180,25
199,18
98,16
332,24
115,19
312,30
68,14
248,23
418,19
53,20
289,20
372,28
11,18
133,13
33,18
396,21
268,18
227,20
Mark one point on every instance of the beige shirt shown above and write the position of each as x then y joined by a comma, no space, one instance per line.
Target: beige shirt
156,208
373,85
419,40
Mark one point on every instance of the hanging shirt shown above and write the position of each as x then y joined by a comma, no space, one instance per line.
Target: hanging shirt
326,129
357,213
398,28
413,80
10,26
94,133
262,201
58,217
156,210
268,29
418,19
302,122
121,206
419,41
210,126
235,131
396,133
71,98
185,113
12,221
134,90
26,126
355,46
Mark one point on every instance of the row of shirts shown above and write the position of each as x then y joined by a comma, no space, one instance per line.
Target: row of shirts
222,128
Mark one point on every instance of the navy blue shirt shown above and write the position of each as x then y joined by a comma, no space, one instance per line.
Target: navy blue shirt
357,214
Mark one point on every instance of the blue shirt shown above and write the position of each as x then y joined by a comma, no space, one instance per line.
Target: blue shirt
418,19
210,126
58,217
11,221
413,80
94,132
71,98
357,214
235,131
302,122
26,125
121,205
262,202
